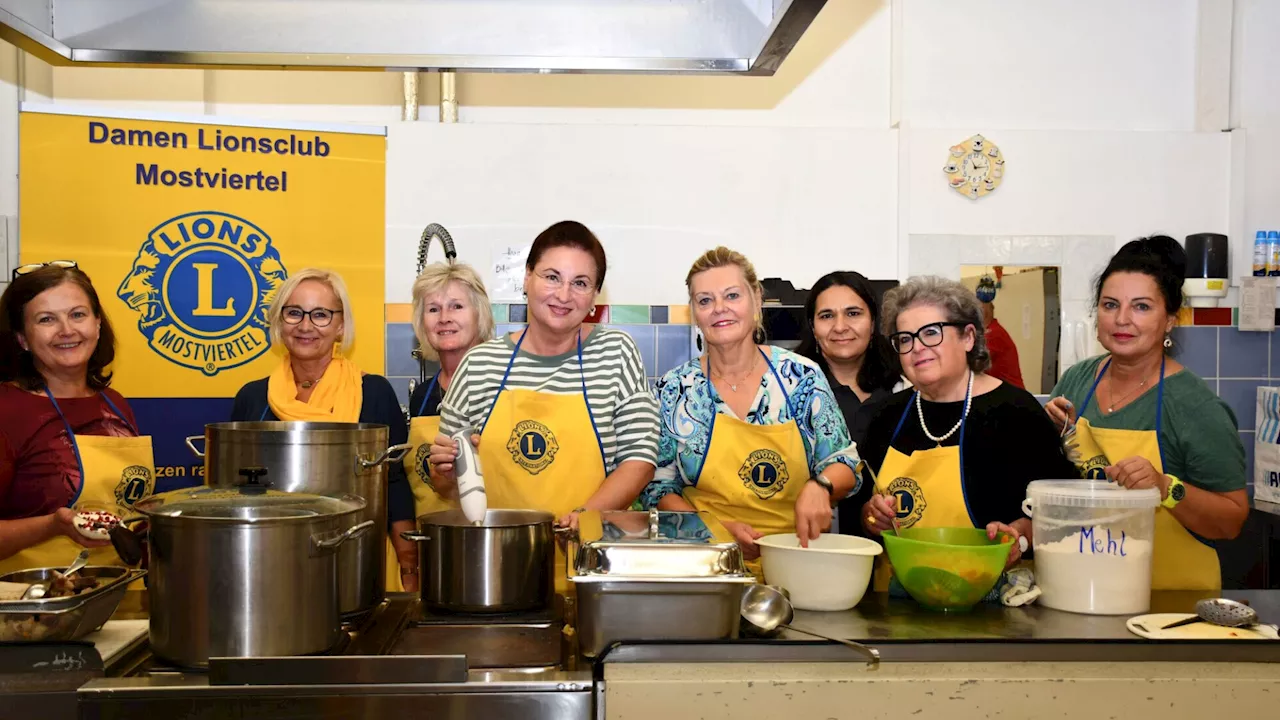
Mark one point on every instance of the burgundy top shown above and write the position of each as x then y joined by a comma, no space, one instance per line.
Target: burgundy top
38,469
1004,355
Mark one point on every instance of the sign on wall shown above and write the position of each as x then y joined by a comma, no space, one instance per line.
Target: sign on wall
187,229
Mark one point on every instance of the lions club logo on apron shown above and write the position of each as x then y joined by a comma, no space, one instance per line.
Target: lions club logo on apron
908,500
764,473
201,285
421,462
136,483
1094,468
532,446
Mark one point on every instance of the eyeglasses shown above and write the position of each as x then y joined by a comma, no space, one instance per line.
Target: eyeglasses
32,267
320,317
930,336
577,286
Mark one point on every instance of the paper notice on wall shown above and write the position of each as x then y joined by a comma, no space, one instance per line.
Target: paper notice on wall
506,283
1258,304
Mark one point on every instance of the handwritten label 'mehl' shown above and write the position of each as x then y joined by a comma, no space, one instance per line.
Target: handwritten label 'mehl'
1092,541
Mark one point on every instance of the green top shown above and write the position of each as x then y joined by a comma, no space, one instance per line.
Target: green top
1200,436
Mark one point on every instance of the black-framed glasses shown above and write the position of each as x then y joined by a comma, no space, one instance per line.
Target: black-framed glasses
32,267
320,317
930,335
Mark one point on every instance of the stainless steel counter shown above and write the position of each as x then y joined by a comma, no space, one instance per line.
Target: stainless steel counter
905,632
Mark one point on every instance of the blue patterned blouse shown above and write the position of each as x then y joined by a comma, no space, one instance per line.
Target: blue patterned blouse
688,399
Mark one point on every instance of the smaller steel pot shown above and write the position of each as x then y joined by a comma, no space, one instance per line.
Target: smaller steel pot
506,564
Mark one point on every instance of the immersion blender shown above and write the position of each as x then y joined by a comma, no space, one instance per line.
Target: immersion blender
466,468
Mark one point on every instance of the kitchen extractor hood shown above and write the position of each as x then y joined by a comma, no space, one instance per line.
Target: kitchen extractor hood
644,36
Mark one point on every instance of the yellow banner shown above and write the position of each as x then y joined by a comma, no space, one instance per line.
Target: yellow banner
187,229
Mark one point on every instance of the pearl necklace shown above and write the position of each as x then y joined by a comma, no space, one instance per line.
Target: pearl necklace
968,400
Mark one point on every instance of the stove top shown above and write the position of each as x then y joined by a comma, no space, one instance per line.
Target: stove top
510,641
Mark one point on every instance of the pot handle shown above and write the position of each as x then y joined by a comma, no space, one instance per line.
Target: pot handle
392,454
1027,508
337,540
414,537
191,445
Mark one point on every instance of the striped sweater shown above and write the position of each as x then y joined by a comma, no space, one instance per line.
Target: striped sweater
624,409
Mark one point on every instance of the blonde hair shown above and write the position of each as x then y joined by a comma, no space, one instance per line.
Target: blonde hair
722,256
275,314
435,278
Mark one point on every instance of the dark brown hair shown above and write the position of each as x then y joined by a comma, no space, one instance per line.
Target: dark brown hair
18,365
569,233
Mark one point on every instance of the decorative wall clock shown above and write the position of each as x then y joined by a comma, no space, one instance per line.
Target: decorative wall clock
975,167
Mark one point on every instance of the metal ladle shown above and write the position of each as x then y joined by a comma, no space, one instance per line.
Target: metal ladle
1222,612
767,611
38,590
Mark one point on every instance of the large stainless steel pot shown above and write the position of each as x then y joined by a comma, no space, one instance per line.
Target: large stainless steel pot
505,564
245,572
323,459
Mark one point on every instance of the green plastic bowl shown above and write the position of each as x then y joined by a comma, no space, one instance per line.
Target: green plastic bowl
947,569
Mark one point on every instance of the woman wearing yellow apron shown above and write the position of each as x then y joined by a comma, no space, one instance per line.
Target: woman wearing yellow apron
451,315
311,318
750,433
66,441
564,416
960,450
1181,439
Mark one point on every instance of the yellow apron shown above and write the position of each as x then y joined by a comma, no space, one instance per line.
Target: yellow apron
533,451
528,451
422,431
751,473
927,488
115,473
1179,561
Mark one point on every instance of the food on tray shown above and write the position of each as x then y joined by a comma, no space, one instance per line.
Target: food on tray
23,627
33,628
74,584
96,524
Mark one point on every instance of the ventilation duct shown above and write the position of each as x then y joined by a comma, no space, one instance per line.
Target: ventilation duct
545,36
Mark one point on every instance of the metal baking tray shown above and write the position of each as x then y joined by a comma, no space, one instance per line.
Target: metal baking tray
63,618
654,545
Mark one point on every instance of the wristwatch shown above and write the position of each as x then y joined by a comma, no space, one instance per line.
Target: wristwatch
826,485
1177,491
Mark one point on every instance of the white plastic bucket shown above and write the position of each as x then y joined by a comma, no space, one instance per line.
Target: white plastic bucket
1093,545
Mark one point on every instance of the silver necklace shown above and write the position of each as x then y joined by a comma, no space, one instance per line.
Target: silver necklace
732,385
968,400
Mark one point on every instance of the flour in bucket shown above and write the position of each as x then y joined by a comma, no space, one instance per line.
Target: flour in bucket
1093,543
1078,574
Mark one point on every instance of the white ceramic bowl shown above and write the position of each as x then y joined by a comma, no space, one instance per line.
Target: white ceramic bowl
831,574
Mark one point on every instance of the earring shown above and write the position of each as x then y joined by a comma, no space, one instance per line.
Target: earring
593,309
1168,341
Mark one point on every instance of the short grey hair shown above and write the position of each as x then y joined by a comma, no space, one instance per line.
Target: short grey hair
435,278
958,304
275,314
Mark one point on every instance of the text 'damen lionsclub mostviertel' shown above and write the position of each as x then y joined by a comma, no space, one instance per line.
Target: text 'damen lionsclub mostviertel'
215,140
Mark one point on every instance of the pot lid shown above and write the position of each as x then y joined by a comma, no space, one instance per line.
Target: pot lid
250,502
655,544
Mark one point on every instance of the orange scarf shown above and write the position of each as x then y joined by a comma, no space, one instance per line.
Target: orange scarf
337,396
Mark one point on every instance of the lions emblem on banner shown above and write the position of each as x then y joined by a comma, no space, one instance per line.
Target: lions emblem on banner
765,473
136,482
201,285
533,446
908,500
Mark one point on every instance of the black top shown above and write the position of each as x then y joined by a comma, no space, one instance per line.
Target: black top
416,408
1008,442
857,413
379,405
